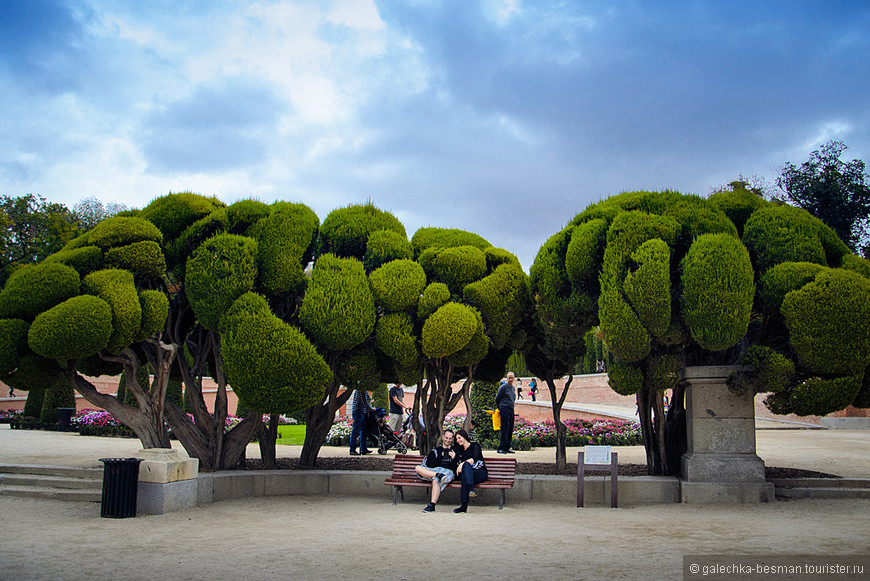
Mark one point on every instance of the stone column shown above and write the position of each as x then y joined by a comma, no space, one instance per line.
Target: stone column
720,463
167,481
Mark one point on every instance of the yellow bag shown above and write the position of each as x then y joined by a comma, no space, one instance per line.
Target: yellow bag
496,419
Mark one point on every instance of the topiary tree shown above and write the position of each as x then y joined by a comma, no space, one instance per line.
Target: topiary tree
678,287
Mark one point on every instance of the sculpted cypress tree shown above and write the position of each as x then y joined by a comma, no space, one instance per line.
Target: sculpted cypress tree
671,283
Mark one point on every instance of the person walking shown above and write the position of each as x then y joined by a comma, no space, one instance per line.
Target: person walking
533,389
397,408
519,385
504,401
360,408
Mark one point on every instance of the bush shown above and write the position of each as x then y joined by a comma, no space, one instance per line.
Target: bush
155,310
175,212
482,398
60,394
625,378
455,266
345,231
397,285
501,299
778,281
122,231
777,234
76,328
144,259
385,246
34,373
117,289
394,337
738,204
445,238
434,297
285,241
718,290
647,286
585,252
33,289
827,321
449,329
13,343
220,270
84,260
338,310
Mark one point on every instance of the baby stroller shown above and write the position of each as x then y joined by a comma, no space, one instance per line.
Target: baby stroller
407,435
381,434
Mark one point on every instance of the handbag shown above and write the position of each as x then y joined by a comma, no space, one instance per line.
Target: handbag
496,419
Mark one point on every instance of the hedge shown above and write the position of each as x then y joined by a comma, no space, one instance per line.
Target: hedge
455,266
85,260
397,285
449,329
501,299
434,296
345,231
144,259
430,237
285,242
777,234
117,289
173,213
155,310
121,231
384,246
13,343
648,286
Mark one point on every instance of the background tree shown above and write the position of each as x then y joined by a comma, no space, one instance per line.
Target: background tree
672,284
835,191
31,229
90,211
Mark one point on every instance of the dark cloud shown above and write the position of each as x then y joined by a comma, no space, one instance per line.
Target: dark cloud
221,128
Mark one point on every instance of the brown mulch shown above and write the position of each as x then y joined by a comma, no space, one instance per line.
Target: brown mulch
384,464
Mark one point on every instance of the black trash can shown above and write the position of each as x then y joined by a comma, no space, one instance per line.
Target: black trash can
64,415
120,487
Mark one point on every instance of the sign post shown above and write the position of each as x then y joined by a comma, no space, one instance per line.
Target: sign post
593,458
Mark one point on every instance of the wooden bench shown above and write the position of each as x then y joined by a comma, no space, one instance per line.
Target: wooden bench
501,475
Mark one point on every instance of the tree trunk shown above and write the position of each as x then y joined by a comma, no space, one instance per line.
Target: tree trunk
268,437
319,419
437,400
646,428
561,430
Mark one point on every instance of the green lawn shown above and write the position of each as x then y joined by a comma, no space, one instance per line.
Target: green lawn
291,435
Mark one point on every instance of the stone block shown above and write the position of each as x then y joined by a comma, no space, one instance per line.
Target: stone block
162,465
726,468
205,489
721,436
291,482
847,423
161,498
243,484
716,401
726,492
356,483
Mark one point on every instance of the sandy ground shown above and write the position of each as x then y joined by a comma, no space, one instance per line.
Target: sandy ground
369,538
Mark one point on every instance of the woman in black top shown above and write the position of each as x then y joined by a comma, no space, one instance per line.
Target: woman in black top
471,469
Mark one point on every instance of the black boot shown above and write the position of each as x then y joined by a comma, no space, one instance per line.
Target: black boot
461,508
429,508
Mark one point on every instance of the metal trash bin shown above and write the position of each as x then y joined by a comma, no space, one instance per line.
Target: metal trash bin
64,415
120,487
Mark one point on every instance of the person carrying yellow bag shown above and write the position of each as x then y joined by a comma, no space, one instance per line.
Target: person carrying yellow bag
496,419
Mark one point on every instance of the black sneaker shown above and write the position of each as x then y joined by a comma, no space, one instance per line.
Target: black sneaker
429,508
354,453
438,476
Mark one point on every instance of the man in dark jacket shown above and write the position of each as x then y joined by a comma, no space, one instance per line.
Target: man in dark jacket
504,401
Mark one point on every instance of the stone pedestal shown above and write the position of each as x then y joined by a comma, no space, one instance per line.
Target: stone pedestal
167,481
720,463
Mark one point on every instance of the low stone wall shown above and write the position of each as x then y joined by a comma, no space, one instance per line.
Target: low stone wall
634,490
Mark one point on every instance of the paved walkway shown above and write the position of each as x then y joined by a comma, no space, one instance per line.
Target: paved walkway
841,452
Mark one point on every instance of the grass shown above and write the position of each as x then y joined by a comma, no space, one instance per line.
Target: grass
291,435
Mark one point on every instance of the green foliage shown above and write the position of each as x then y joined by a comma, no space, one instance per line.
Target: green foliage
549,273
397,285
625,378
647,286
175,212
856,264
345,231
777,234
34,289
501,298
59,394
76,328
33,405
455,266
829,323
121,231
85,260
835,191
449,329
738,203
34,373
585,252
495,257
117,289
822,395
425,238
219,271
359,370
338,310
95,366
285,242
384,246
718,290
434,296
623,331
482,398
271,365
494,366
174,393
772,371
783,278
144,259
394,336
155,310
474,350
662,372
243,214
13,343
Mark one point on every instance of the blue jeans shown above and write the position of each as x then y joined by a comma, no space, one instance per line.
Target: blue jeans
469,477
359,433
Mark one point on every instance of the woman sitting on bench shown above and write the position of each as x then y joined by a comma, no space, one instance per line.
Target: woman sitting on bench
471,470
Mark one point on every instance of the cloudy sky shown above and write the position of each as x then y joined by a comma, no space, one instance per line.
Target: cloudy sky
504,117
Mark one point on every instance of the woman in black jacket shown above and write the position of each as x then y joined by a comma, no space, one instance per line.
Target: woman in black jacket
471,469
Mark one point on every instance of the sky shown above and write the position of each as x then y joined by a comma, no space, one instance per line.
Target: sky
502,117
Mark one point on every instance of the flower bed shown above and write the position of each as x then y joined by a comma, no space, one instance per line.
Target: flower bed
6,416
528,435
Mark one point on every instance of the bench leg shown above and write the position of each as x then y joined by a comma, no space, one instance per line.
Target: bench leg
501,500
396,491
